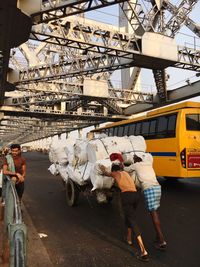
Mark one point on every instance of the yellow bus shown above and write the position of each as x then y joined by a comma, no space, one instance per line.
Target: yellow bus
172,135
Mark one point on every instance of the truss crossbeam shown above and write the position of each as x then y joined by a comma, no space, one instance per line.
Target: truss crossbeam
88,36
180,16
56,9
188,58
46,113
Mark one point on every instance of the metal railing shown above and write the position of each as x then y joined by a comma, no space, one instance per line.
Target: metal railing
15,231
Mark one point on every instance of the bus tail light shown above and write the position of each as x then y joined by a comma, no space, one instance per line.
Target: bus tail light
183,158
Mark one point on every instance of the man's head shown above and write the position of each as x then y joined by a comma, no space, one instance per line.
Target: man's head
15,150
136,158
116,167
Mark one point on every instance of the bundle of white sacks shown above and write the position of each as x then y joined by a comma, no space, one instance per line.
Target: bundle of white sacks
79,159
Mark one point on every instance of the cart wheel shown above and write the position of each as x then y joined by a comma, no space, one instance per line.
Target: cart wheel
72,193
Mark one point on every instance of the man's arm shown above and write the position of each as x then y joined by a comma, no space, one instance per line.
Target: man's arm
21,177
105,172
24,170
6,170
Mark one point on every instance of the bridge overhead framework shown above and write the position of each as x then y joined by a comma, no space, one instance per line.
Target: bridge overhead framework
56,63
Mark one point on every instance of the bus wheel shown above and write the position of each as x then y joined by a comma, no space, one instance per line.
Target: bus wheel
72,193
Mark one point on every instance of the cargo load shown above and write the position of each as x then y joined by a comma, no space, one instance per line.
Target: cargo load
79,160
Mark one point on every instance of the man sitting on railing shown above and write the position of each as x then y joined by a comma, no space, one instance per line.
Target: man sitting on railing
15,166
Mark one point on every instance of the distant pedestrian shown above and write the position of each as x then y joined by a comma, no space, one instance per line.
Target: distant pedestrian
152,195
129,200
15,166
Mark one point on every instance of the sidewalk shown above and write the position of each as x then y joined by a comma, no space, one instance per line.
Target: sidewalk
37,255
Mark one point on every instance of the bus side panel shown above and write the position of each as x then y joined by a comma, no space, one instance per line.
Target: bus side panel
166,156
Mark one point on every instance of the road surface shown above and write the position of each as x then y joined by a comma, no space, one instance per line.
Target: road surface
92,235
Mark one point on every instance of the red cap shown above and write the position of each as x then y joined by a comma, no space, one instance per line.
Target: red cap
116,156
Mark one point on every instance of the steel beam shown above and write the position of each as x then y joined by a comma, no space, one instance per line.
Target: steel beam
57,9
179,15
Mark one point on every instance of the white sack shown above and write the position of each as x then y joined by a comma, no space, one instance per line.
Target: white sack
128,158
80,174
86,171
111,144
63,172
51,158
97,179
54,169
80,152
138,143
147,157
57,152
96,151
138,147
69,150
117,144
75,175
99,149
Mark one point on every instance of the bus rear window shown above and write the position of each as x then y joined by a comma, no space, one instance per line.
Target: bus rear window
120,131
126,129
193,122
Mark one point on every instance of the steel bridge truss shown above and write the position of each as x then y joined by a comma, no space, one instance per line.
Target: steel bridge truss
34,123
27,129
103,50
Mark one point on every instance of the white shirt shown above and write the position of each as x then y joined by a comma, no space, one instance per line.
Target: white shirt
145,174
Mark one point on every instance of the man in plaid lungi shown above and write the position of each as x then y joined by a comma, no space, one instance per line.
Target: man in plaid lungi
152,194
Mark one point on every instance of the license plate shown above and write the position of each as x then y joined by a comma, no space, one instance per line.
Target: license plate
194,161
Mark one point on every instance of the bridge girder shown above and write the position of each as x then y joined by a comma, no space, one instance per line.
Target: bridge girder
57,9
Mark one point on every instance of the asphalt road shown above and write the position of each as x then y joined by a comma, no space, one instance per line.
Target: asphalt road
92,235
